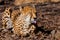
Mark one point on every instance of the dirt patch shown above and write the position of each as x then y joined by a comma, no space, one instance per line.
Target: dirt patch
47,26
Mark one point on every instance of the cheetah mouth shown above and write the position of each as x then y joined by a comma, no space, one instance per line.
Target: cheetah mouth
33,22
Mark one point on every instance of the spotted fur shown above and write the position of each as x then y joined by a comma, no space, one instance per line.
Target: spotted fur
20,20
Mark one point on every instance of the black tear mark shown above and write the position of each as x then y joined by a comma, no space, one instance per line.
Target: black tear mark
10,10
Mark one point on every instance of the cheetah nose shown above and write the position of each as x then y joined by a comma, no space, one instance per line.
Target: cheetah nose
33,21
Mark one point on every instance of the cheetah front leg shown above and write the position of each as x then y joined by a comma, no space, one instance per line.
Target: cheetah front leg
32,29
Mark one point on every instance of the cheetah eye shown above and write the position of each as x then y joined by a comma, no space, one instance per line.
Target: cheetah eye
22,7
5,25
19,13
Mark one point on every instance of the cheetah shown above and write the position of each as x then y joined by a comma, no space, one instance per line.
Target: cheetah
20,20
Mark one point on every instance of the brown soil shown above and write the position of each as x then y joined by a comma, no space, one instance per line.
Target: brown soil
47,26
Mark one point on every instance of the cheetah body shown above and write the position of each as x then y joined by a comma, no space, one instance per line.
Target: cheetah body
21,20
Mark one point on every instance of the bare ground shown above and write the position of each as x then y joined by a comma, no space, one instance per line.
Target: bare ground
47,26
